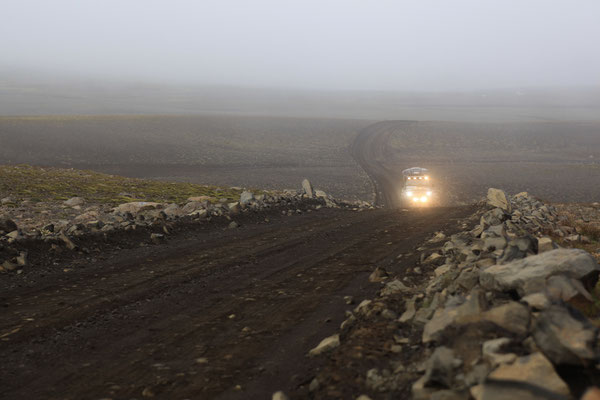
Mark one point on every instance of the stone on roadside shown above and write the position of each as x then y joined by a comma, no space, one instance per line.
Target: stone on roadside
74,202
497,198
307,188
529,275
136,207
7,225
395,287
440,367
534,370
378,275
545,244
327,344
565,336
279,396
233,225
246,197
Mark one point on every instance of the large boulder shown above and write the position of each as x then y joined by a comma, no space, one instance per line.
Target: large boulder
497,198
529,275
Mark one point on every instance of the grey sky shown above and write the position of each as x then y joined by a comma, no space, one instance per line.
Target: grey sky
330,44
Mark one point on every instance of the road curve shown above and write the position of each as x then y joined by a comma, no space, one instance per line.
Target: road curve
371,150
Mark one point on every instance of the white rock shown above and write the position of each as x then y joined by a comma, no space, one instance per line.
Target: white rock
327,344
307,187
497,198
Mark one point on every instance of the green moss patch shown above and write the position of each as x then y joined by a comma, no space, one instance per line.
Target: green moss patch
38,184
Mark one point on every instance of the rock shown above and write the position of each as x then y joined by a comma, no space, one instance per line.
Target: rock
378,275
22,259
492,218
67,241
565,336
513,317
279,396
534,370
320,194
395,287
234,208
74,201
492,352
157,238
545,244
9,266
7,225
363,306
440,367
497,198
327,344
438,237
307,188
348,300
136,207
363,397
561,287
442,269
537,301
445,317
192,207
529,274
233,225
172,210
314,385
494,243
410,311
246,197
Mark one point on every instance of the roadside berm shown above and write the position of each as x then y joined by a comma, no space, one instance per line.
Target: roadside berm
506,309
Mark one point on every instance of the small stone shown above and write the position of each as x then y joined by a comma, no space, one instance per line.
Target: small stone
327,344
378,275
349,300
279,396
233,225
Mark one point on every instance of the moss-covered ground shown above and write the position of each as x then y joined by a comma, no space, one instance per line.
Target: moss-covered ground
37,184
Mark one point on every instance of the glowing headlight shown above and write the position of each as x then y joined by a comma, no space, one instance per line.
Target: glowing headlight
426,178
424,199
429,193
415,199
409,193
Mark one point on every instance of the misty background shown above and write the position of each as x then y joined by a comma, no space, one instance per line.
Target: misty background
383,59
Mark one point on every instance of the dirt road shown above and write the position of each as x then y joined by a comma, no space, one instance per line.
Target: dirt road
371,150
211,309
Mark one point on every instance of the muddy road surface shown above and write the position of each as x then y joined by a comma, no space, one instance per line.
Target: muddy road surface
211,314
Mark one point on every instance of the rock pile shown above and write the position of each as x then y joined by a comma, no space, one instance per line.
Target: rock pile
101,220
501,316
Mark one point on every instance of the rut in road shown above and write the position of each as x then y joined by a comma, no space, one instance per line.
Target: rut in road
203,313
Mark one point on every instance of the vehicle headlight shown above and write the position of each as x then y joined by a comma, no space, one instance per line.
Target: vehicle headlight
429,193
426,178
424,199
415,199
409,193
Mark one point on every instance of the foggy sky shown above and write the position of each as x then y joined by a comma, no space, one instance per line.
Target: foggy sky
324,44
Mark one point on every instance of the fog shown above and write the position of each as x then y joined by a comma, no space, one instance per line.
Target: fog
423,45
